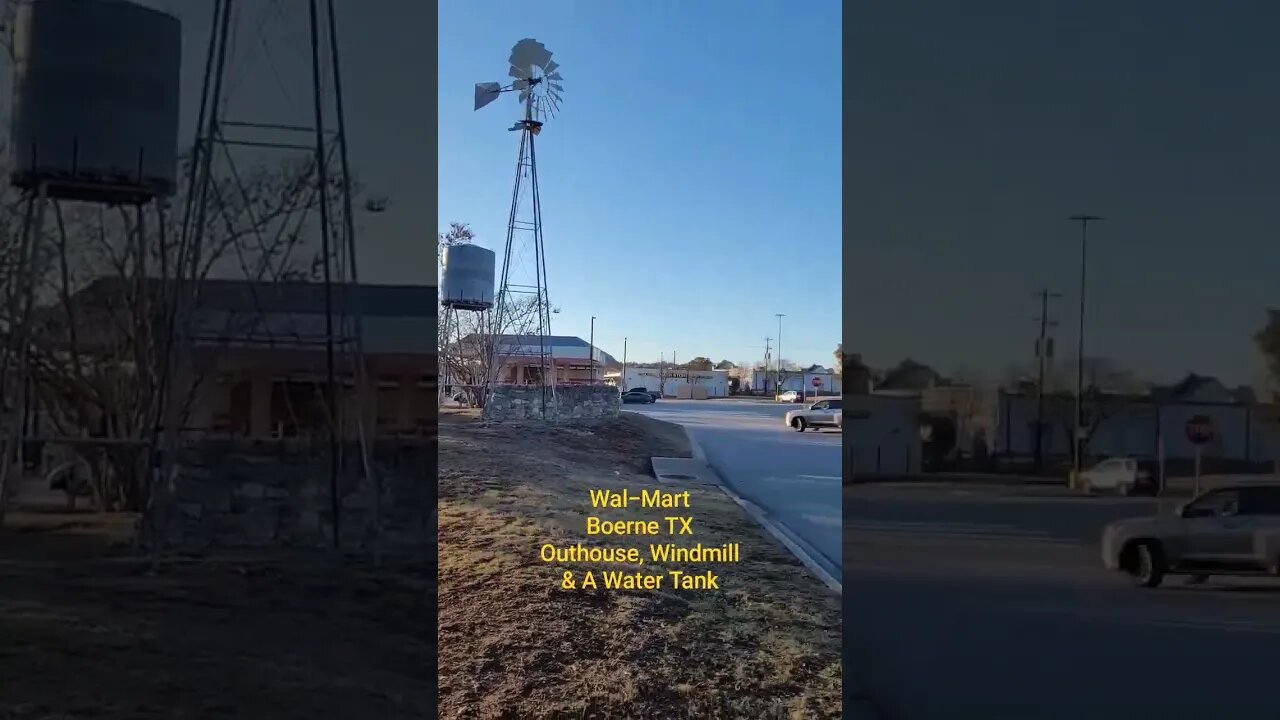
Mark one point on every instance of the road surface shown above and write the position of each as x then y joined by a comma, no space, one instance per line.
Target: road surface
993,604
794,477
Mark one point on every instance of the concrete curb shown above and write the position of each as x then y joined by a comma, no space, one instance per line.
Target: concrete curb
798,547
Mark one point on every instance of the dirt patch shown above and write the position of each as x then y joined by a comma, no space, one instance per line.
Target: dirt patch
87,630
515,645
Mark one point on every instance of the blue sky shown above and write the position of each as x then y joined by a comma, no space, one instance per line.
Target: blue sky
691,185
982,125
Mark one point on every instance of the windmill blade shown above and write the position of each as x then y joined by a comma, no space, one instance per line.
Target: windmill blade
529,53
486,93
556,86
554,76
524,95
518,72
551,66
520,84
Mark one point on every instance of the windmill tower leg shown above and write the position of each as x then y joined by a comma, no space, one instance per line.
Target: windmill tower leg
547,374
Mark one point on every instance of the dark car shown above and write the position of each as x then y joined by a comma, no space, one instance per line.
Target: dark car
637,396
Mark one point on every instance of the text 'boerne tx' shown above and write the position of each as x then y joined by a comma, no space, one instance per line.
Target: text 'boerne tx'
660,552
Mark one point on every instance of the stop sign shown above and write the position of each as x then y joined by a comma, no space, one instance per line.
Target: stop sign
817,382
1199,429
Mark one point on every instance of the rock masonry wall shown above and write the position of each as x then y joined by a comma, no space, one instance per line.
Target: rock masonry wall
584,404
237,493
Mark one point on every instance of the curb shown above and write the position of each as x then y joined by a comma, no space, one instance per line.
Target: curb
779,531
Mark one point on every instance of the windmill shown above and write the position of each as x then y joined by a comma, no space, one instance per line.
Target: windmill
537,80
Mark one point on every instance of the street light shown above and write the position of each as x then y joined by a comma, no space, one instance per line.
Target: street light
1078,449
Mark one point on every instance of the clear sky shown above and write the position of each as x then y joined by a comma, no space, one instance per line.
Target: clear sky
387,104
691,185
978,127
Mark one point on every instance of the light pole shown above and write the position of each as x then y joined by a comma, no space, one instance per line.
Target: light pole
1077,446
777,380
592,343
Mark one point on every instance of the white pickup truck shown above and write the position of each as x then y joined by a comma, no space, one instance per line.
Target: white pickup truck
1231,530
824,413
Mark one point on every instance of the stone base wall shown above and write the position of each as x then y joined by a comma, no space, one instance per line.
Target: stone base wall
577,404
233,493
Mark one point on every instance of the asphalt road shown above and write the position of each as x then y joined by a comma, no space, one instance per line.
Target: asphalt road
794,477
994,604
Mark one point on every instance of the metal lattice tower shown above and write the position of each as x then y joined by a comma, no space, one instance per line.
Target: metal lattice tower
538,82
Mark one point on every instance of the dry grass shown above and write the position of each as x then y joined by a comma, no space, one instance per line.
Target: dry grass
514,645
88,631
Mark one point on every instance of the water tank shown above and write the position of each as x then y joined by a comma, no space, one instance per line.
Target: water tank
96,96
468,277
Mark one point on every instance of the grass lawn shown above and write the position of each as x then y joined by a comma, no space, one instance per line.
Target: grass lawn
514,644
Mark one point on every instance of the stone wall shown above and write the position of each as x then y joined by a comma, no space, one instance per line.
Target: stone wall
240,493
583,404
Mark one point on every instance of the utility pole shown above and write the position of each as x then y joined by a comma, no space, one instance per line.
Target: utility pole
766,363
1077,446
622,382
592,343
777,381
1042,352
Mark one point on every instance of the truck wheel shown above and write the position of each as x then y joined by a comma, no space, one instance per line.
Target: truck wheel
1147,567
799,424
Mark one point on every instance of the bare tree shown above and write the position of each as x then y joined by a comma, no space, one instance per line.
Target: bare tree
469,349
457,234
106,304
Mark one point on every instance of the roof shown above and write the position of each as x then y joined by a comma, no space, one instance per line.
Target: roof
395,318
910,375
1190,385
553,341
249,296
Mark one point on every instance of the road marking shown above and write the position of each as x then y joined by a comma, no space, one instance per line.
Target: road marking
968,531
1138,618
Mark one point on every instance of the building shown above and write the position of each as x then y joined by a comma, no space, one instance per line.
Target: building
521,357
1145,425
672,381
765,381
259,354
962,418
882,434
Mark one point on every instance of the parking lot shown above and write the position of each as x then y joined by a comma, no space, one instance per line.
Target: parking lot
992,602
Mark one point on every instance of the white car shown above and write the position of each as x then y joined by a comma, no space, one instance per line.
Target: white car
791,396
824,413
1118,475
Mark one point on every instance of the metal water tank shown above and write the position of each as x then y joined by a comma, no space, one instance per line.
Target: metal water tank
468,277
95,99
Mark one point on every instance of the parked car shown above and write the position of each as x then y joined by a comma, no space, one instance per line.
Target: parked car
791,396
1123,476
1231,530
637,396
824,413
